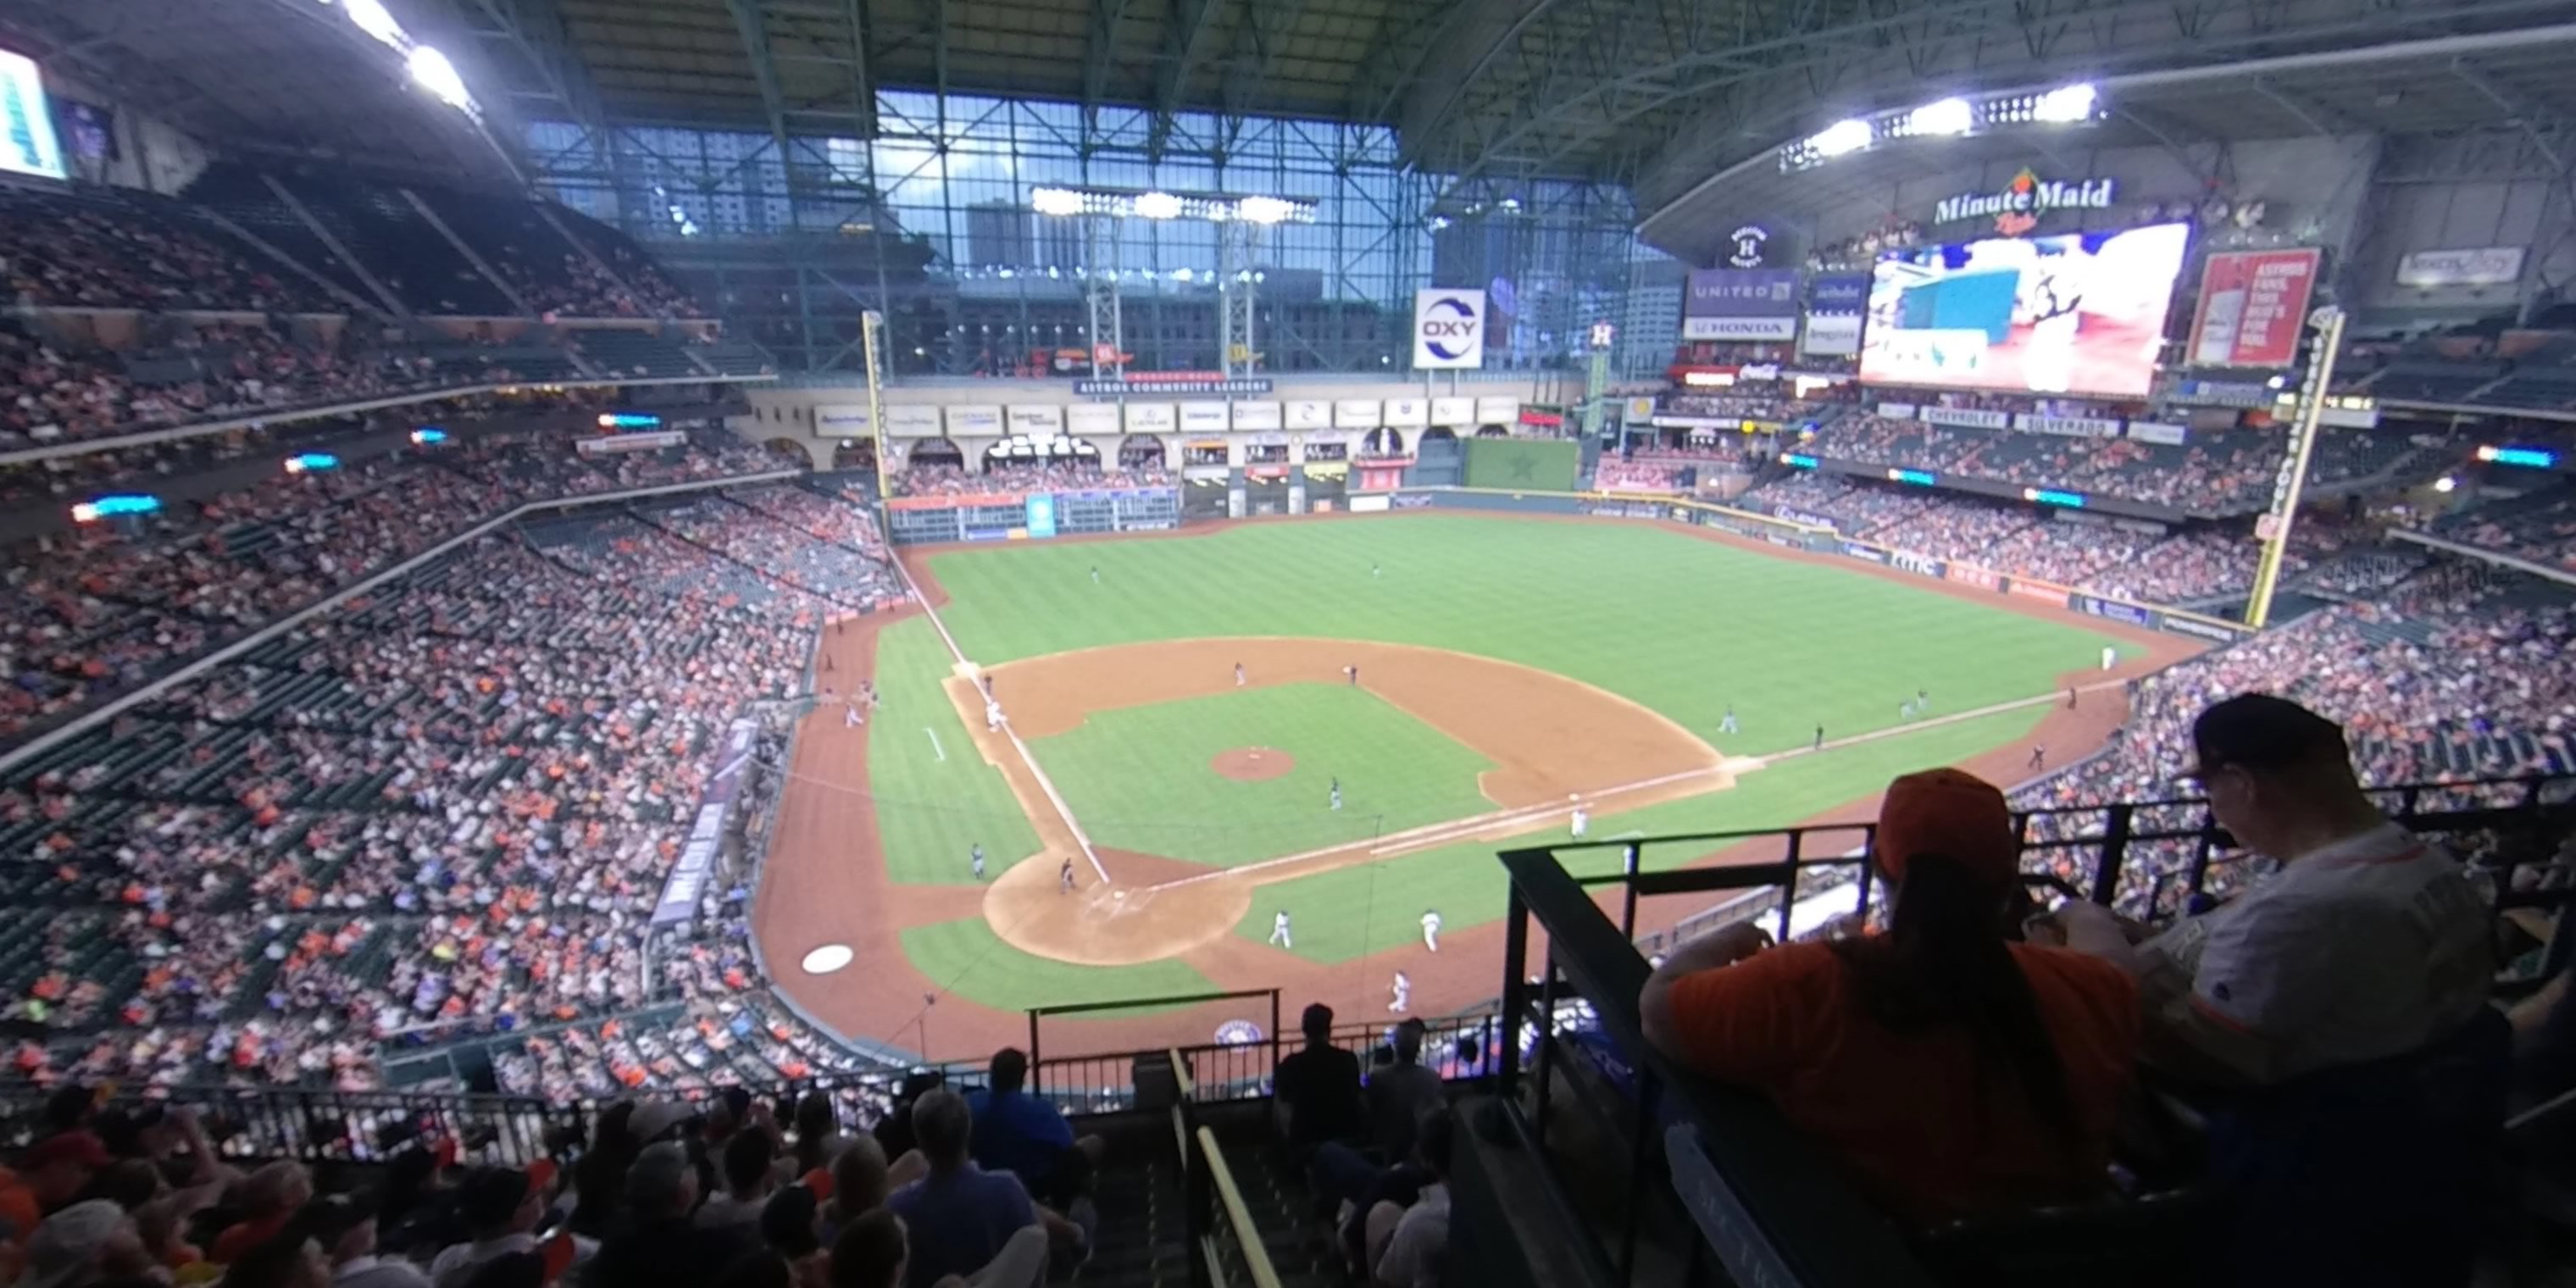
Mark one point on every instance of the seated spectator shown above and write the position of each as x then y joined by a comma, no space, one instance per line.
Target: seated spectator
1318,1086
345,1227
750,1173
2014,1057
47,1179
1400,1093
871,1252
269,1199
658,1246
789,1227
501,1207
819,1138
91,1244
959,1216
1019,1133
1416,1253
2344,1000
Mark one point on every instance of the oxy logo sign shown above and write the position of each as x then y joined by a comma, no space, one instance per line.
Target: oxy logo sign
1448,329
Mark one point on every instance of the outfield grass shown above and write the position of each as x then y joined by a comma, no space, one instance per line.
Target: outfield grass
1356,911
968,959
1684,626
931,811
1138,777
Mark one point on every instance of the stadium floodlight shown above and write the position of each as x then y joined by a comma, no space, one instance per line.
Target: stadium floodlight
2064,106
1182,275
2445,484
1948,116
1844,136
438,76
373,19
1265,210
1055,201
1158,205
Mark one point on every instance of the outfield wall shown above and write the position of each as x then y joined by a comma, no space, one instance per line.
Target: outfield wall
1800,532
1024,516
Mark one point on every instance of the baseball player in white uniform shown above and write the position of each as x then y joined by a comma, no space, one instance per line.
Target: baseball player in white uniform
1581,822
1238,675
1727,725
1431,930
2110,657
1403,994
992,716
1279,936
850,717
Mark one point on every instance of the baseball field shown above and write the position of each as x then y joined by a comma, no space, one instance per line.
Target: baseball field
1340,721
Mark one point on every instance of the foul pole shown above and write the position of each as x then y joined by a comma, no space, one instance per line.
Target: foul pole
2275,526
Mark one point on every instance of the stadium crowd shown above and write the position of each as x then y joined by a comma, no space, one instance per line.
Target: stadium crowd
941,479
2213,473
102,608
983,1183
444,809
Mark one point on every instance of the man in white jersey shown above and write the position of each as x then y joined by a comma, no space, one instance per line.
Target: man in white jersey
2344,999
1431,930
1280,935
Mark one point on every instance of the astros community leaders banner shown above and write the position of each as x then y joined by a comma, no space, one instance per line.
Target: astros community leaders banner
1741,304
1448,330
2253,307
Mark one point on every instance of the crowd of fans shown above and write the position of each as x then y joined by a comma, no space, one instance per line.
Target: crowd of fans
989,1186
103,608
2449,676
2539,526
1614,475
97,250
946,479
445,809
2223,472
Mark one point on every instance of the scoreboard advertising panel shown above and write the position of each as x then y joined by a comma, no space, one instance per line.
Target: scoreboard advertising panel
2072,313
2253,308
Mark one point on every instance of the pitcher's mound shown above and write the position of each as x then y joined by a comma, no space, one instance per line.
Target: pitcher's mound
1253,764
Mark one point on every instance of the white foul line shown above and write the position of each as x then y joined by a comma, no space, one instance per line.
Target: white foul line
935,748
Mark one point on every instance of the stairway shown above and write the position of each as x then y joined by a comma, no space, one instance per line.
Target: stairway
1142,1240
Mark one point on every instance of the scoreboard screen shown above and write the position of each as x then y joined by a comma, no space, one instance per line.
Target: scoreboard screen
2080,313
27,141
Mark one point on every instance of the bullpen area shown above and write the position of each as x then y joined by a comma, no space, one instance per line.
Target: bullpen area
1340,720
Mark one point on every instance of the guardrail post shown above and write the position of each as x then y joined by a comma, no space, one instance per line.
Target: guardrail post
2115,849
1033,1040
1515,992
1628,917
1789,893
1274,1037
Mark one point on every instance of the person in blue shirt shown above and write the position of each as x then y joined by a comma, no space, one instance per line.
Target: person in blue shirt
1021,1134
960,1216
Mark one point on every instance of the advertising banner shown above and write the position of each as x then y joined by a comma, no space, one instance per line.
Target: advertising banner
1636,411
917,420
1453,413
1041,514
2253,307
1448,330
2482,266
1977,577
1741,304
2034,590
1912,562
1203,418
1964,417
1794,515
688,879
1092,418
1835,304
1310,413
1413,500
1896,410
2180,624
618,444
1151,418
1368,504
1408,413
2068,426
1040,420
1498,411
2157,431
977,419
1355,413
2116,611
1256,415
841,420
1870,553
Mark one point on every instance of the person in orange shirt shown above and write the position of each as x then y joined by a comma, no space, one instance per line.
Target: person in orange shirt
1954,1072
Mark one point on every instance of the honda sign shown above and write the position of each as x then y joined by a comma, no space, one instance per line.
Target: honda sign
1448,330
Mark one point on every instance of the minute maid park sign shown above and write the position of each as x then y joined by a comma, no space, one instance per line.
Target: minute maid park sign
2023,201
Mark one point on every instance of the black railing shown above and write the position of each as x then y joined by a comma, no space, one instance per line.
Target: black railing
1767,1208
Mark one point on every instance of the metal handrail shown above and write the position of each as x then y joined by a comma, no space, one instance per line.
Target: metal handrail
1247,1236
1772,1208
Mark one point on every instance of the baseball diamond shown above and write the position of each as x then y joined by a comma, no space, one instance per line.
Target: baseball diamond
1340,721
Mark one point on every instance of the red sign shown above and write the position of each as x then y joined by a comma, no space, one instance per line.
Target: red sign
1973,576
2253,308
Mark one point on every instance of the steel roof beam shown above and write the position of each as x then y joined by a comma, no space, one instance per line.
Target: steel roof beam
1184,35
1100,53
754,30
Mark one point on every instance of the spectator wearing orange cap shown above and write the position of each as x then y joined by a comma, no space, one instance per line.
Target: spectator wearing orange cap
2013,1057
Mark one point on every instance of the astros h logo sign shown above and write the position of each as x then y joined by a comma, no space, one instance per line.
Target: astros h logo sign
1449,330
